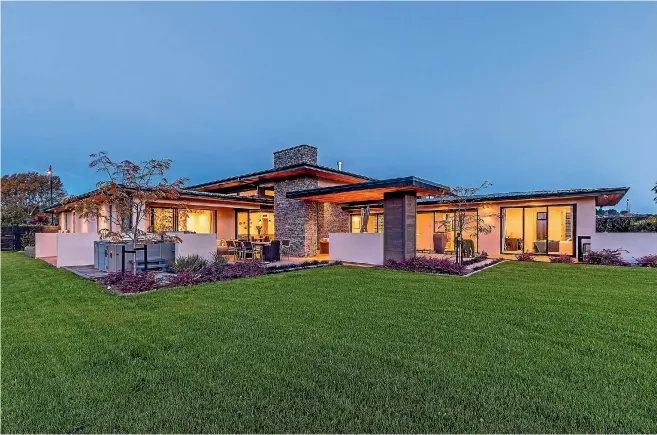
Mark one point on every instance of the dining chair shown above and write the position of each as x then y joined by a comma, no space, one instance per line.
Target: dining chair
247,248
232,248
285,248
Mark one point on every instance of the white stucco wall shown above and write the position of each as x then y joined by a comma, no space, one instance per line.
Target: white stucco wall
201,244
637,244
364,248
45,245
75,249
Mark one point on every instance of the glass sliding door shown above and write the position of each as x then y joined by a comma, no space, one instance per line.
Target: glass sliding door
252,225
541,230
444,230
560,230
374,223
512,230
536,230
424,232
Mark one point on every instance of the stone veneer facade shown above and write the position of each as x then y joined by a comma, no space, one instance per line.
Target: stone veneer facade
331,219
296,220
295,155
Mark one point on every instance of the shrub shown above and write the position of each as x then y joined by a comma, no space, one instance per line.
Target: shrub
183,279
561,259
626,224
218,258
647,260
525,256
426,265
188,263
28,239
228,271
606,257
129,282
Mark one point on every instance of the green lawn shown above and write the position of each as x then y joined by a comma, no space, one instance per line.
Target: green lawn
517,348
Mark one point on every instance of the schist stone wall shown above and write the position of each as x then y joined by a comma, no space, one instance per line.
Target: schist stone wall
296,220
295,155
332,219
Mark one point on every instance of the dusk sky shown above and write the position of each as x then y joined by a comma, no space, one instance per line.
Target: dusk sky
527,95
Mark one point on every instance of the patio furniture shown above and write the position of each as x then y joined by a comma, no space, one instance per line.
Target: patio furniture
540,247
285,247
247,249
439,243
232,248
272,251
324,246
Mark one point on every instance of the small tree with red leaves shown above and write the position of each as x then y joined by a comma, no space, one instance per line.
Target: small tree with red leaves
130,187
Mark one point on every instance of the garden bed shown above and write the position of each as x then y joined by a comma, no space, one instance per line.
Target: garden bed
442,266
191,271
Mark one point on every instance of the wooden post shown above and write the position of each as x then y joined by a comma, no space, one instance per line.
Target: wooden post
399,221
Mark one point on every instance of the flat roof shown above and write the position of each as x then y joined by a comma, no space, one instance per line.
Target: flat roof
184,193
369,190
282,172
604,196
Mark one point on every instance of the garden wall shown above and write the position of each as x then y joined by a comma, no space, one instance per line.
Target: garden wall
364,248
75,249
45,245
204,245
637,244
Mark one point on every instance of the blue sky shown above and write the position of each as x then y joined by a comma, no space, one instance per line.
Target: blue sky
527,95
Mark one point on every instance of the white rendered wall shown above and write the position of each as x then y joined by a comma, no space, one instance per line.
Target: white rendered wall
75,249
637,244
364,248
45,245
201,244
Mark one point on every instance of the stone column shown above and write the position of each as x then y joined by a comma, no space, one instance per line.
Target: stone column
296,220
399,221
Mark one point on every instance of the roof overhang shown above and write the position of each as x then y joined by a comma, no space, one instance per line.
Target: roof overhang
282,173
369,190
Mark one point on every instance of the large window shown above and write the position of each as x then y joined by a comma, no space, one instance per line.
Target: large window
374,223
436,231
255,224
542,230
174,219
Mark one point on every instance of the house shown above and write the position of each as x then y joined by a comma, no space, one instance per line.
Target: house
307,203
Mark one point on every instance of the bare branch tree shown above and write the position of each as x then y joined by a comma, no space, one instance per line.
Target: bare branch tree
465,222
129,189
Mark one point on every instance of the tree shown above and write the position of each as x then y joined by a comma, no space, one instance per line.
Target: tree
465,221
26,194
129,189
654,189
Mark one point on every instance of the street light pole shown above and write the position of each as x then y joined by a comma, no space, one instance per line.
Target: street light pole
52,215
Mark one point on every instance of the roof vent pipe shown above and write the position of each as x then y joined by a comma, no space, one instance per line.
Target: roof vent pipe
339,166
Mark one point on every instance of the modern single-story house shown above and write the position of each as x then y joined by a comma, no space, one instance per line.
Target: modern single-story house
311,205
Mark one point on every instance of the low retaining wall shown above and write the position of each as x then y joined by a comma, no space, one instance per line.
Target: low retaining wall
75,249
201,244
45,245
637,244
364,248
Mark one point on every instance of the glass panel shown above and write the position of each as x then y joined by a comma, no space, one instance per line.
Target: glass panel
379,223
198,221
445,227
560,230
162,220
355,223
242,224
512,230
267,224
536,230
424,225
470,227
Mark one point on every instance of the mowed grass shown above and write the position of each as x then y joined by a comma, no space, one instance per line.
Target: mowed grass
517,348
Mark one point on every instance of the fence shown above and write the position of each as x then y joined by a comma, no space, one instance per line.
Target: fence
12,237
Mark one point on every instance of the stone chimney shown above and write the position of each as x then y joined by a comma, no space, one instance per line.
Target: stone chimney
295,156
